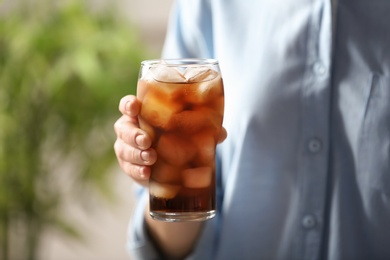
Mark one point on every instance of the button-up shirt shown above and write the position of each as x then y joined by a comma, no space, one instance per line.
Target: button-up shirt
305,170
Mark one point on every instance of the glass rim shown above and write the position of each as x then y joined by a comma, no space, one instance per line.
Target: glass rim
180,62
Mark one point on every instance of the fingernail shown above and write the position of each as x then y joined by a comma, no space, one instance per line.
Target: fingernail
145,156
139,140
127,106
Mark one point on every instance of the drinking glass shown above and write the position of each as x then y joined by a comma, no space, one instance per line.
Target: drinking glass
182,106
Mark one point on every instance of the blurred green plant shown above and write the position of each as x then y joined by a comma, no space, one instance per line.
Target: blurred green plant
63,70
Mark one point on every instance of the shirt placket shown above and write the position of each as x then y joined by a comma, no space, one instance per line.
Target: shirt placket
313,175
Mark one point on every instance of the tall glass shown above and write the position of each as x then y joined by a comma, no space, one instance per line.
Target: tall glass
182,110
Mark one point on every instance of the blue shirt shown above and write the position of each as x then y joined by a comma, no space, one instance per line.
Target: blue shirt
305,170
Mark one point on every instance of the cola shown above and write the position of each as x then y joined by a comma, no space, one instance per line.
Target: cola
182,106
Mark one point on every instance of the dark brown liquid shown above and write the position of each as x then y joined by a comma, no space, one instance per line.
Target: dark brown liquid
187,200
184,121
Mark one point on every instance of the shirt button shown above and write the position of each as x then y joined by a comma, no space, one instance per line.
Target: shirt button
319,68
308,221
314,145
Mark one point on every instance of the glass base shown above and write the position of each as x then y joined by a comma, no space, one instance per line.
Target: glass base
182,216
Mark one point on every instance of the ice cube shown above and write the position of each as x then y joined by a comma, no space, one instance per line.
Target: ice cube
197,177
157,107
162,190
218,105
175,149
205,143
199,74
164,172
167,74
204,92
192,121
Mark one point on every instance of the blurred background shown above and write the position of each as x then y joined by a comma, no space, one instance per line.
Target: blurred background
64,65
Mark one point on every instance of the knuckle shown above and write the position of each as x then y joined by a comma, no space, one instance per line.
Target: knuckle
118,148
124,132
135,172
118,126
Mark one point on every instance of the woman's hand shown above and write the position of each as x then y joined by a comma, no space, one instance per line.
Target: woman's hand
133,145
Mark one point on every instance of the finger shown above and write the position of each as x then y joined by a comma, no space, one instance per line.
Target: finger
129,132
129,105
133,155
222,135
138,173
